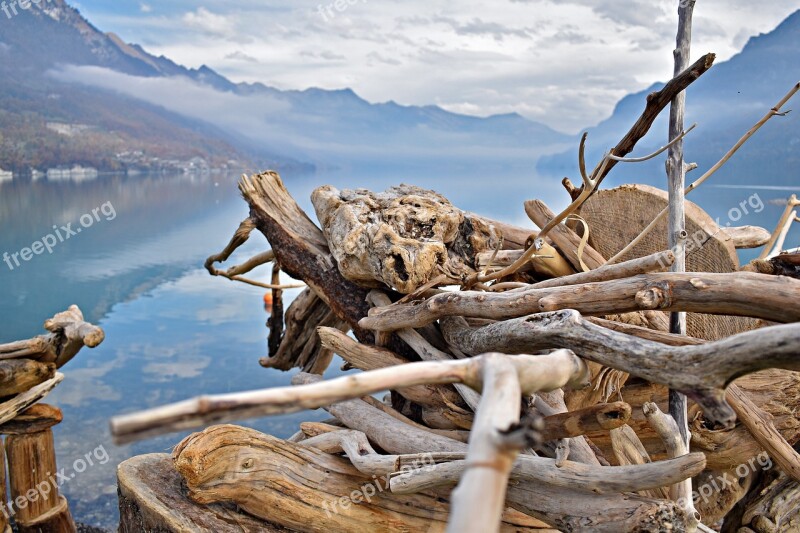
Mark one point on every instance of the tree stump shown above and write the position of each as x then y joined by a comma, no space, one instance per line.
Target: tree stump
37,505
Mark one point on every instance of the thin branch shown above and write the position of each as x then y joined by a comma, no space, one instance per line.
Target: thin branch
658,152
775,111
786,220
548,372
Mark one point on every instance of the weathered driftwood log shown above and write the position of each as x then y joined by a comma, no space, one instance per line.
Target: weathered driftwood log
38,506
69,332
629,451
745,237
301,248
152,498
401,238
555,370
617,216
571,475
765,402
11,408
701,372
739,293
772,506
571,510
20,375
300,345
760,425
787,219
262,475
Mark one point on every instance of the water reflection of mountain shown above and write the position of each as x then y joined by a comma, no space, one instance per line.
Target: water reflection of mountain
162,227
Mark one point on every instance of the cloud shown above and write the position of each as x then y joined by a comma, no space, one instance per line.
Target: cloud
145,8
238,55
209,22
541,58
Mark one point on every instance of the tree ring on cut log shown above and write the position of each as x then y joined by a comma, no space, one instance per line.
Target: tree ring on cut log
403,237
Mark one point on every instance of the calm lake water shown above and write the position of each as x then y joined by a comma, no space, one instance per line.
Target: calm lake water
173,331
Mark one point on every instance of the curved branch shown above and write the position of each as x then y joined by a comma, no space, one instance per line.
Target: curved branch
700,371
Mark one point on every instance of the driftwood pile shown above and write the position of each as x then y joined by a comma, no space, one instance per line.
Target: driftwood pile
28,372
540,395
529,374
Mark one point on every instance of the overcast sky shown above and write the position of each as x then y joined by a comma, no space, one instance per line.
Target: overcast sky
563,63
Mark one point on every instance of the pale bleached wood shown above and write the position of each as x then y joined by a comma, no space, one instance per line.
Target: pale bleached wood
652,263
738,293
152,498
479,498
778,247
461,436
552,404
676,216
667,429
391,434
745,237
786,218
701,371
571,475
555,370
363,456
630,451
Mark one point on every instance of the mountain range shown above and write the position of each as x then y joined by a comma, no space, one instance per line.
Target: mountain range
724,103
71,94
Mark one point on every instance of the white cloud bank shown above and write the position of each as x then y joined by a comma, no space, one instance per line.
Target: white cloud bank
564,63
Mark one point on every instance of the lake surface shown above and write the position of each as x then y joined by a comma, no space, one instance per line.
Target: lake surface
173,331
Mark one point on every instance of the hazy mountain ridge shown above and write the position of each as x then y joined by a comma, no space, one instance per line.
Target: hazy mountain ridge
326,127
149,103
725,102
